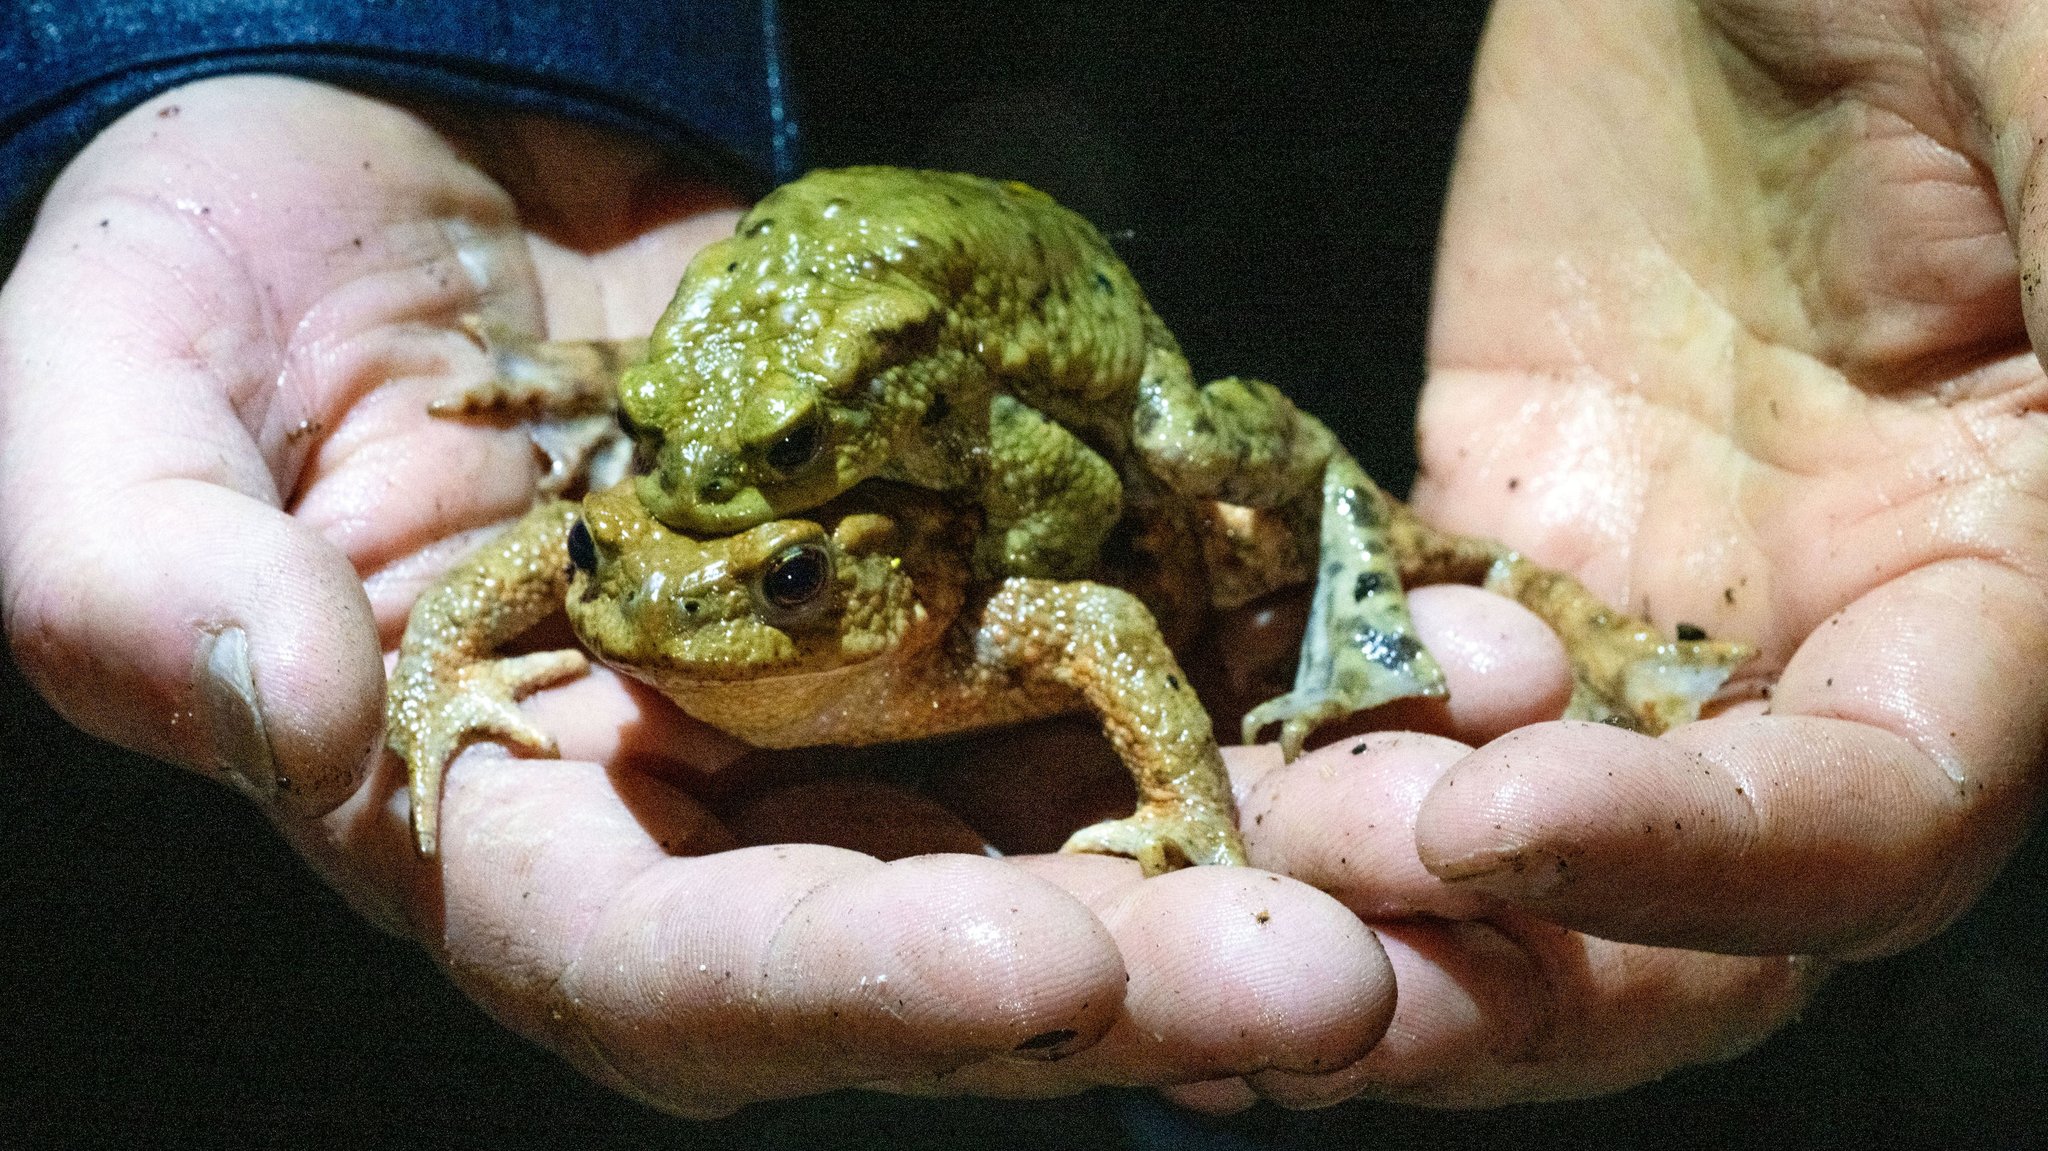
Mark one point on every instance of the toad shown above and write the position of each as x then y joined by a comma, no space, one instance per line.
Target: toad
972,340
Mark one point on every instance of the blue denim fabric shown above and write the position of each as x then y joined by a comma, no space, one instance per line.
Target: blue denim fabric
702,76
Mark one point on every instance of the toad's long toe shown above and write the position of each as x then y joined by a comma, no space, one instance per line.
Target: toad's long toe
1301,711
1164,838
427,725
1639,680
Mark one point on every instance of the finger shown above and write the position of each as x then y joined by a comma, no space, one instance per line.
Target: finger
1503,666
1341,819
1493,1013
1892,777
2002,47
700,984
1494,1009
1232,971
155,592
163,382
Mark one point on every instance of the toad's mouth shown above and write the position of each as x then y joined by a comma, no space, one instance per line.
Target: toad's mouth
708,676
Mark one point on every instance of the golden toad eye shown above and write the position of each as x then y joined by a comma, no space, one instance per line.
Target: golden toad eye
797,577
797,446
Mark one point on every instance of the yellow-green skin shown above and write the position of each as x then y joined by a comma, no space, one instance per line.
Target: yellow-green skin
974,340
898,641
958,334
893,640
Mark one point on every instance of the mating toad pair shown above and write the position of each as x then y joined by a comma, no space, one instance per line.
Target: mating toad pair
912,455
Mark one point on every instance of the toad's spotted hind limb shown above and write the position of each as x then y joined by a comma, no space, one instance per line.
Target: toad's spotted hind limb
1359,649
1623,671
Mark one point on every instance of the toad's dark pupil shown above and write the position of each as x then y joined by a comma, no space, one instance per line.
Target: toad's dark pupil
795,577
582,549
797,447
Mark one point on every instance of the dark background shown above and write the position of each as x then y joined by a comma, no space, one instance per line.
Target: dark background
174,977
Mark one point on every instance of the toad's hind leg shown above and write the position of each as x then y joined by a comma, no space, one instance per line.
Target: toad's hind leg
1235,440
1624,671
1359,649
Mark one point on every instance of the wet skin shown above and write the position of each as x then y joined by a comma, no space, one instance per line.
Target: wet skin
971,340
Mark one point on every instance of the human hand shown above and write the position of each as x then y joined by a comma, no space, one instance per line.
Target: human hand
1731,323
255,286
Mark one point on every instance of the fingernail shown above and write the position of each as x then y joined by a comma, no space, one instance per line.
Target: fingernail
1529,873
481,260
227,702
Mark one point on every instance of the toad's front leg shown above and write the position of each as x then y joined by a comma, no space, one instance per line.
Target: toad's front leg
447,688
565,393
1049,499
1101,642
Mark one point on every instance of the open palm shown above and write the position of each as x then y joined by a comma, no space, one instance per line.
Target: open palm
221,491
1731,323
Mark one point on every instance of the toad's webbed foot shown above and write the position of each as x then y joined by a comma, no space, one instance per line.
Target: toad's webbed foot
1359,649
1624,672
431,717
447,688
565,392
1163,837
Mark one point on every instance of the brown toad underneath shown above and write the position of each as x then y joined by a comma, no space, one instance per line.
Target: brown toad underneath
981,347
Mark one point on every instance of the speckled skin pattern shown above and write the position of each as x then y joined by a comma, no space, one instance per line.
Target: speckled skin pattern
893,641
448,688
873,322
972,337
966,392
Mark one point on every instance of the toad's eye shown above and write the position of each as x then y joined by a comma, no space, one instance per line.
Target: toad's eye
796,577
582,549
797,446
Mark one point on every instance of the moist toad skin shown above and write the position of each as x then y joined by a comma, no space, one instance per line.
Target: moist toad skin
971,340
974,338
963,335
862,624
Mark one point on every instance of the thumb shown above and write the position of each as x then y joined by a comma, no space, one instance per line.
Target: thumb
2006,74
153,588
198,625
